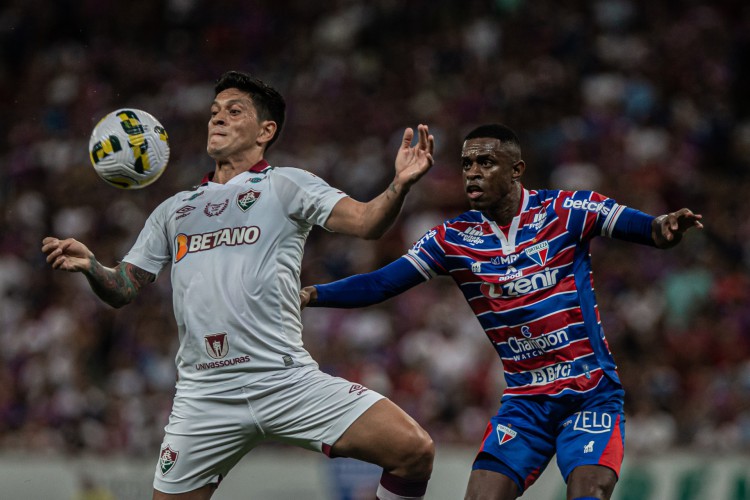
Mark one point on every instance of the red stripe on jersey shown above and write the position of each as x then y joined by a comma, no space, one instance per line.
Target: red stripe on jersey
613,452
573,350
578,384
483,304
552,322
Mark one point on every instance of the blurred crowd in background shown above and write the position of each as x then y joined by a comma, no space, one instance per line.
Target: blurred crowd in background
647,102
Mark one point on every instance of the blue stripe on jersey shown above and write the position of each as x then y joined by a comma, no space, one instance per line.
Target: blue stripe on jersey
538,291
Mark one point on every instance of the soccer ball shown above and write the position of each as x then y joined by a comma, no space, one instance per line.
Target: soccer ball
129,149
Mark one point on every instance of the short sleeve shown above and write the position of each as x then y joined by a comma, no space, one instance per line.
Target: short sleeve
307,197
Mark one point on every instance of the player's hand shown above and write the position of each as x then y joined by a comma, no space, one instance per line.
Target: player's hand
67,255
667,229
413,162
308,295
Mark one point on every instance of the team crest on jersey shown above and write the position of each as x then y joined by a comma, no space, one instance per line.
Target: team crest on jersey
217,345
504,434
167,459
538,252
214,209
247,199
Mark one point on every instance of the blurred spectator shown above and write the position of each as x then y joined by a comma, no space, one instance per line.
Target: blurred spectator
643,101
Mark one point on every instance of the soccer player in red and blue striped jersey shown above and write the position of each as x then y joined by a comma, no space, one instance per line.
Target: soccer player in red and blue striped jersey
521,258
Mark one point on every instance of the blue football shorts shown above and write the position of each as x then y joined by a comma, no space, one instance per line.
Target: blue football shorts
582,429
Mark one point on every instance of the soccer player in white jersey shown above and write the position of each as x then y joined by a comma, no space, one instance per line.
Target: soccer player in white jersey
235,244
521,259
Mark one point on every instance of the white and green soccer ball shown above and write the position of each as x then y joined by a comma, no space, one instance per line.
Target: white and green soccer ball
129,148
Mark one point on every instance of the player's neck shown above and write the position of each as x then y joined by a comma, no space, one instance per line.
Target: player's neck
507,208
229,168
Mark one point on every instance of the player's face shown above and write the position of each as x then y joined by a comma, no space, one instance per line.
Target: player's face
234,127
489,171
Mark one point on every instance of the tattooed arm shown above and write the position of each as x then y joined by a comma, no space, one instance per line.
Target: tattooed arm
116,286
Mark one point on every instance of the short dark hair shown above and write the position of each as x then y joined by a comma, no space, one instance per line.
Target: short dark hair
497,131
269,103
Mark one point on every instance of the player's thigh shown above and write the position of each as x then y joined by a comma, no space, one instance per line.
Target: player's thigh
205,438
308,408
591,481
490,485
519,442
386,435
203,493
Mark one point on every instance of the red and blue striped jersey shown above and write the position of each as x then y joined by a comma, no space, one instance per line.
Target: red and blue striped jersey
530,285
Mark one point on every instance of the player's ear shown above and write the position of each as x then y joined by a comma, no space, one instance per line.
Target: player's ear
267,131
518,169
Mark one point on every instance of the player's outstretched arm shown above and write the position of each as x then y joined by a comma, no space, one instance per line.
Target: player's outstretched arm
116,286
667,229
372,219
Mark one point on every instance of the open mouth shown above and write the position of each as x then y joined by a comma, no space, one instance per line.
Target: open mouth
474,192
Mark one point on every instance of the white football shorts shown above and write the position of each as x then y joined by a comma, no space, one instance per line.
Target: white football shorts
208,434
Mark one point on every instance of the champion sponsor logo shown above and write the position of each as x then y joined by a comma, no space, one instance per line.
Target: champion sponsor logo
530,347
593,422
588,205
589,448
228,236
167,459
214,209
520,286
473,235
549,374
538,252
184,211
504,433
358,388
476,267
217,345
247,199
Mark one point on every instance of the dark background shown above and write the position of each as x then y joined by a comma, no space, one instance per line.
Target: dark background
644,101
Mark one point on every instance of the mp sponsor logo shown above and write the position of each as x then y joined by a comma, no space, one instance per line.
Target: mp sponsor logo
228,236
530,347
502,259
549,374
593,422
521,286
504,433
588,205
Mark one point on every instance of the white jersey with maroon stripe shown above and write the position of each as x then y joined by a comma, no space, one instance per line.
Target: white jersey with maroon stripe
236,252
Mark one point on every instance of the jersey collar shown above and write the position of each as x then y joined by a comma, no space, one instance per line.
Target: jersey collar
257,168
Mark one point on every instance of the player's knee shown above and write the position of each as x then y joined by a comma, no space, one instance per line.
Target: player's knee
420,455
